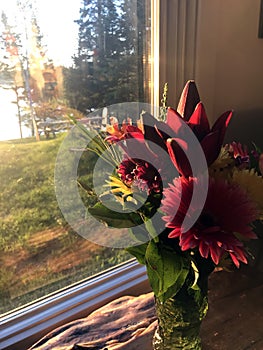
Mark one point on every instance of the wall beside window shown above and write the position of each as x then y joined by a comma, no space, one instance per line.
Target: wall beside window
229,68
178,34
229,55
216,43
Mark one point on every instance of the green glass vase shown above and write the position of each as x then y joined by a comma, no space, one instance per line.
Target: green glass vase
179,321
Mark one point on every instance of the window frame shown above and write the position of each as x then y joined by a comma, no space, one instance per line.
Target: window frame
23,327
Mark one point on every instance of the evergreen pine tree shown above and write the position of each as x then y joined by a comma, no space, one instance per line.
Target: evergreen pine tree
108,66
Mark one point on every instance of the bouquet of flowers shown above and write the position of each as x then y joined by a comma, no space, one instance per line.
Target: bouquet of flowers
191,204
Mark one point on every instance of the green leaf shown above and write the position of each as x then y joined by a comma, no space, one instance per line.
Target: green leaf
114,218
151,229
138,233
139,252
174,289
154,266
167,270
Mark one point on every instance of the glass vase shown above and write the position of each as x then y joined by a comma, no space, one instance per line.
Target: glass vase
179,321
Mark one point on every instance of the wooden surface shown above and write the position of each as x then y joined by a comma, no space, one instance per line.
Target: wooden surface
126,323
234,320
235,317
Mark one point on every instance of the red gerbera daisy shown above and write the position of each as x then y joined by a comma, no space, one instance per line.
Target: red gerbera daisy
227,212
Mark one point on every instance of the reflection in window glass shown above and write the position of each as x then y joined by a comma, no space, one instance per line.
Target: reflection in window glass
57,59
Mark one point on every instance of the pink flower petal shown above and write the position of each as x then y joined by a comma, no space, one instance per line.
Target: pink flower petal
204,249
199,122
221,125
149,130
175,233
174,121
188,100
234,259
211,146
227,211
177,150
216,253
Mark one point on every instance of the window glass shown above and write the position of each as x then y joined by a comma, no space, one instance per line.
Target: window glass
58,59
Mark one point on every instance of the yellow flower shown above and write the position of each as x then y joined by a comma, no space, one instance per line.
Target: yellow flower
222,166
252,184
119,189
113,128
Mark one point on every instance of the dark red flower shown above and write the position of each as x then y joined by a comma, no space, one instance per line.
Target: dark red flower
172,135
141,174
211,139
227,212
188,100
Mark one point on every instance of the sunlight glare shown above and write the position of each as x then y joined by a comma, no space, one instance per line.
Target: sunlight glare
60,40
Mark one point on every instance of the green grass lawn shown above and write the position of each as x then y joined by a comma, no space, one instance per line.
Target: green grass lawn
39,252
27,196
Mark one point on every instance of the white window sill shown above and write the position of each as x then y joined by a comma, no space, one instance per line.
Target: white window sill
23,327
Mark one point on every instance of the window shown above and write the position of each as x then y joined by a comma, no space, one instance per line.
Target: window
194,36
44,263
58,59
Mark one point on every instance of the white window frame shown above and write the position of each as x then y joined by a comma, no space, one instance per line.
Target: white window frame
23,327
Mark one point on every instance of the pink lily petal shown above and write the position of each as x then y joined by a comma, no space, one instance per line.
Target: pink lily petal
177,150
199,122
139,151
155,131
188,100
211,147
174,120
221,125
136,135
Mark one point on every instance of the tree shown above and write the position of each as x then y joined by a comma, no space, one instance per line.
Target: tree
108,66
99,50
